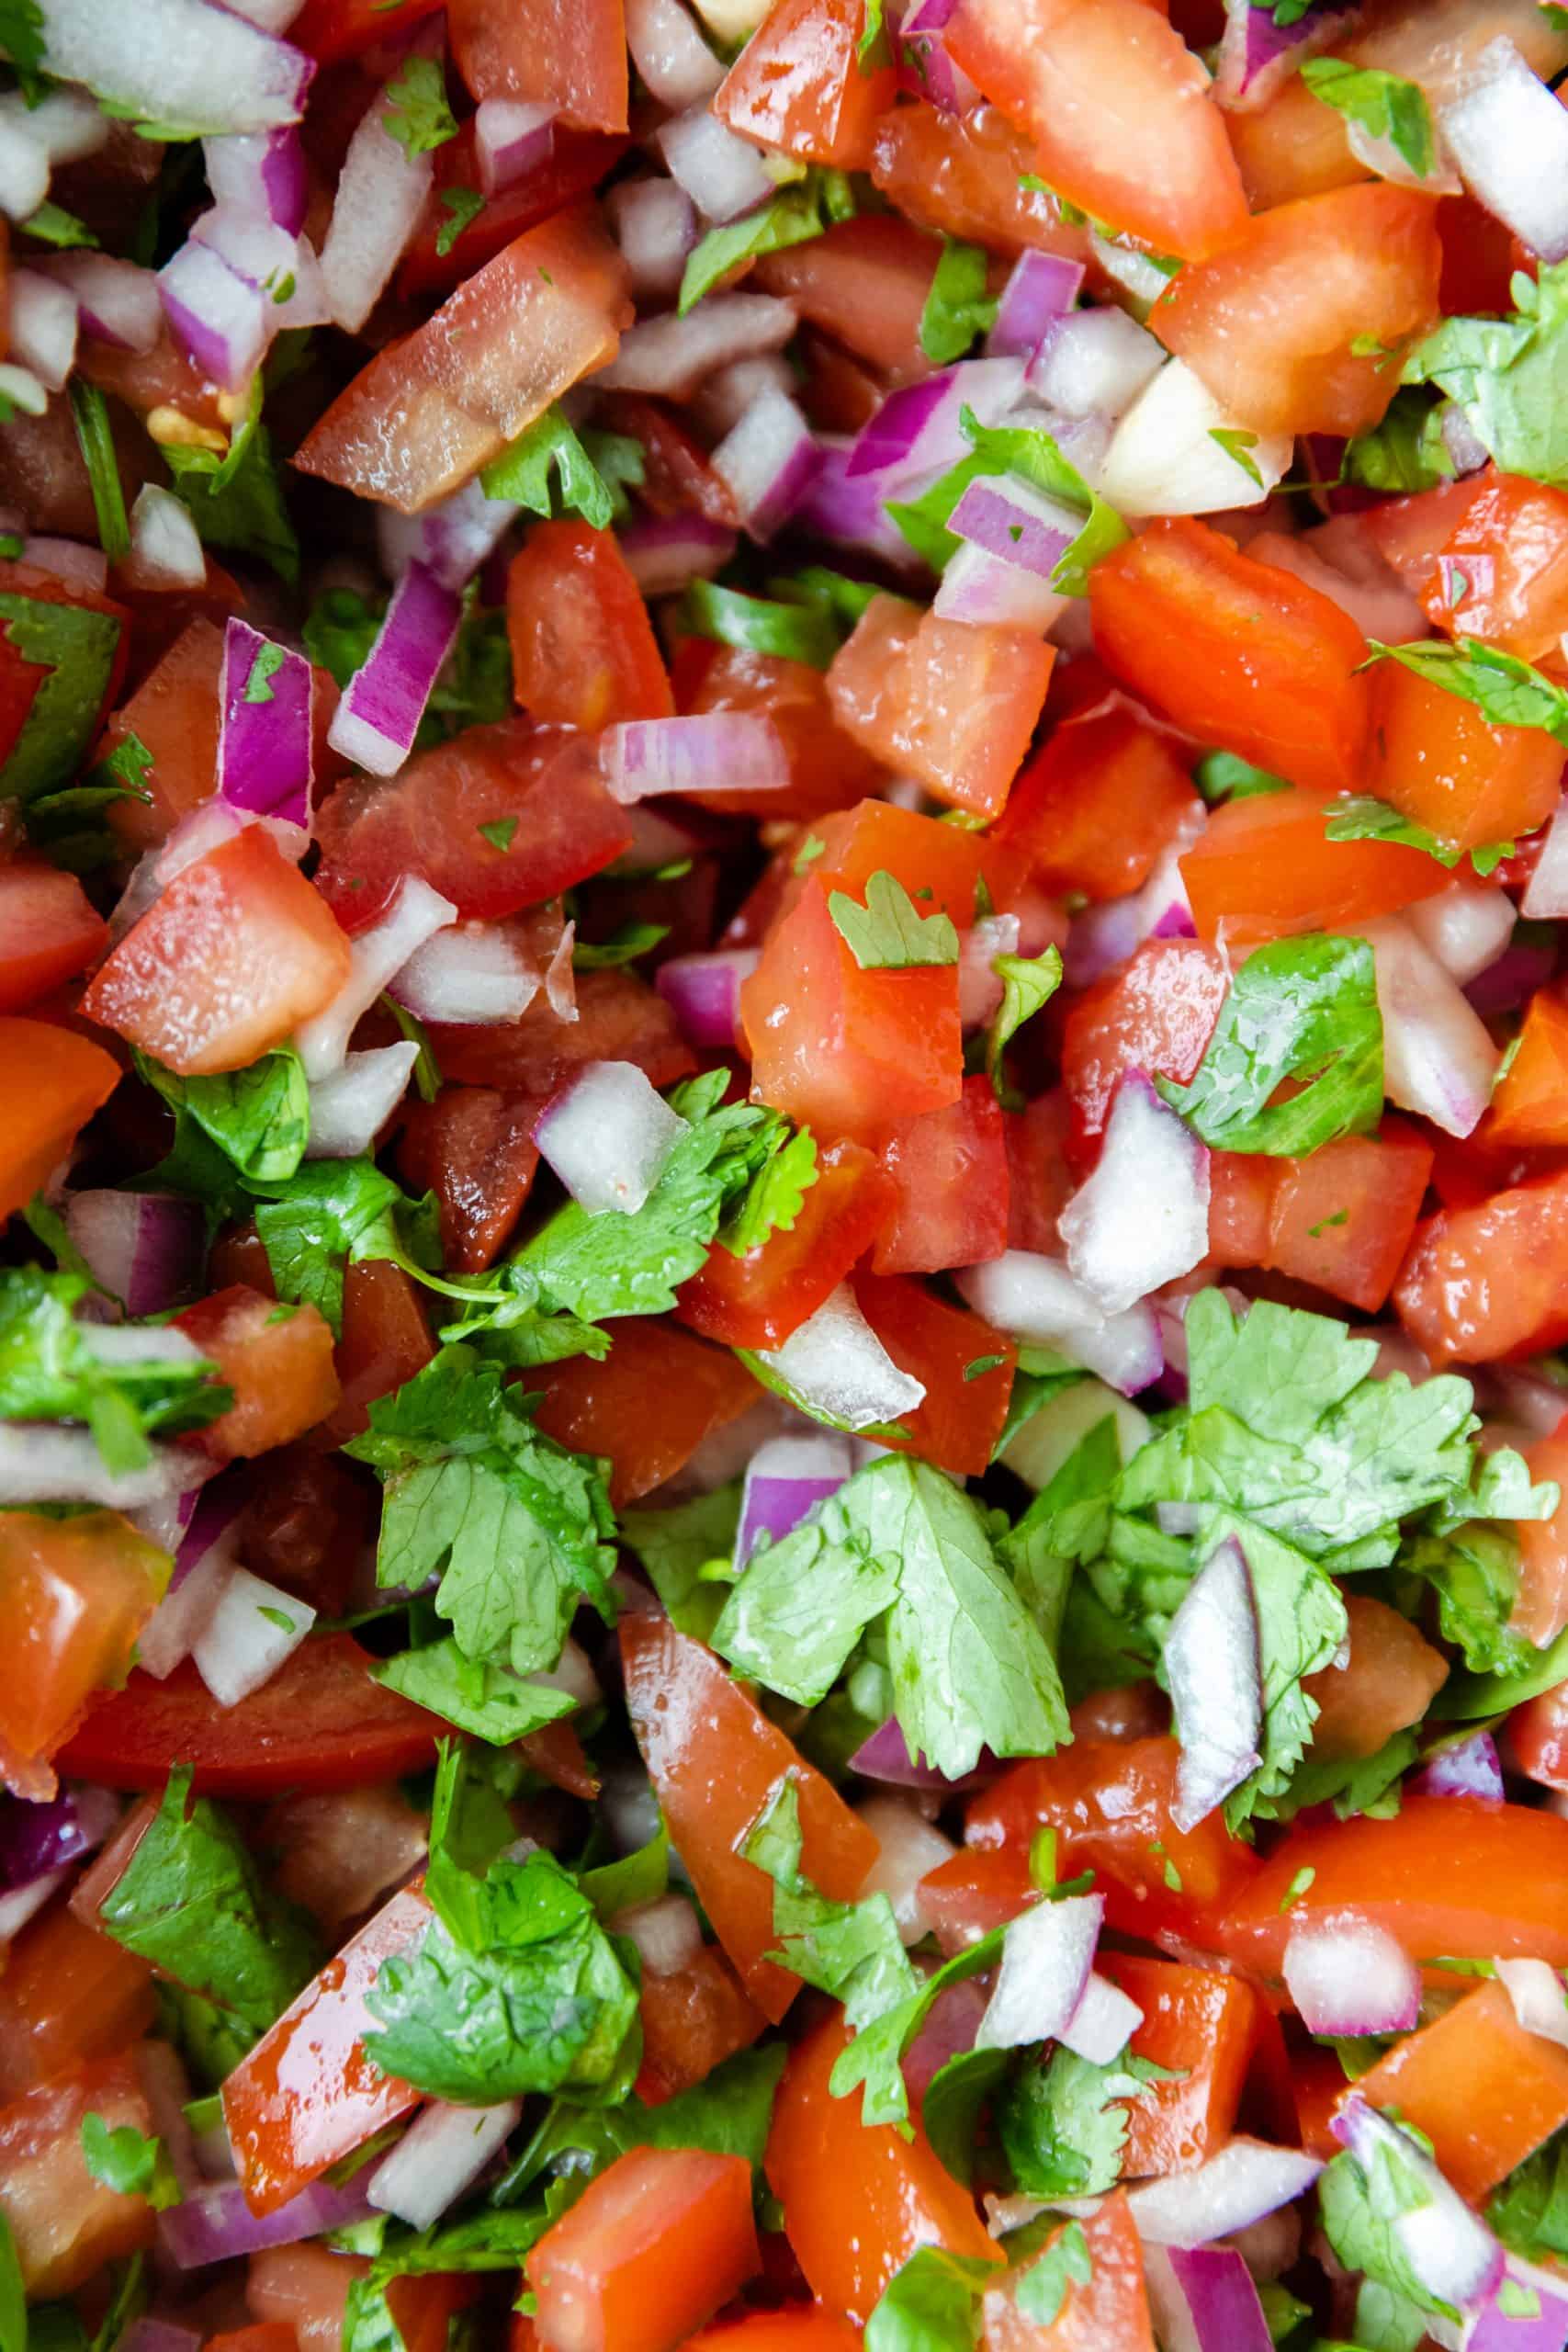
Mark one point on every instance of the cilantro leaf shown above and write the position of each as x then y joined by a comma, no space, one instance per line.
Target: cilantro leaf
50,1370
889,933
417,115
1363,819
1529,2210
1405,452
727,2113
523,473
1299,1009
332,1213
1035,458
1506,691
129,2163
1475,1575
1509,375
675,1543
77,647
259,1117
89,413
1352,1784
1301,1624
1029,982
1383,104
52,225
14,2335
1063,2124
802,210
237,502
957,307
632,940
339,630
931,2305
776,1196
1224,776
22,37
1361,2212
1065,2263
484,1699
58,822
795,632
463,207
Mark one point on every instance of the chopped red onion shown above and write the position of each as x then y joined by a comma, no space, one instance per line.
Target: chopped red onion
853,513
451,538
1448,2246
786,1481
471,973
1103,936
724,398
177,61
720,751
704,992
1512,979
116,301
511,138
835,1364
40,1463
979,988
607,1135
668,1934
666,553
42,326
1257,57
150,2334
1438,1058
255,249
1536,1991
375,722
769,460
206,1559
886,1757
950,2025
25,1904
24,171
1515,2324
1103,2023
1466,928
1546,892
1036,1298
1163,459
723,175
219,318
382,191
1215,1672
1141,1218
214,2224
440,2156
1463,1767
145,1248
1509,138
655,224
38,1839
1094,362
912,1847
926,68
165,545
560,978
68,560
1016,523
986,590
262,173
263,741
64,123
1042,289
1047,1959
672,355
1203,2299
350,1106
1348,1975
379,954
918,429
674,60
1234,2189
252,1628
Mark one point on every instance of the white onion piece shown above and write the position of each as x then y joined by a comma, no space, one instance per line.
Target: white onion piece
1348,1975
769,462
470,973
116,301
674,61
1509,138
442,2153
378,955
24,171
1050,1435
672,355
985,590
1546,892
979,988
910,1845
1466,928
22,388
43,326
177,61
731,21
1094,362
222,319
256,248
1142,1217
268,15
253,1627
381,192
835,1363
40,1463
1103,2023
1214,1671
185,1611
1047,1959
1163,458
1129,267
165,541
68,560
1438,1057
263,173
1035,1299
64,123
1539,2003
724,398
25,1903
510,139
350,1106
668,1934
1448,2246
1235,2188
723,175
607,1135
655,224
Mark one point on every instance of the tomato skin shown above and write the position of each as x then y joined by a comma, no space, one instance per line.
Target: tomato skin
1447,1875
49,930
174,712
691,2023
320,1722
1202,2025
1234,651
1156,1014
1387,1684
278,1361
827,769
386,1341
936,862
1487,1282
65,2223
959,1420
577,161
69,1998
74,1594
1041,1179
1109,2313
758,1300
647,1406
1540,1604
1411,533
954,703
302,2292
714,1759
1099,805
949,1171
431,408
1538,1737
1102,87
1529,1107
654,2246
1440,762
1511,545
1375,1183
865,283
474,1147
1268,322
1266,869
1293,147
802,2327
619,1019
52,1081
268,2335
1484,2091
332,29
798,84
960,174
583,651
545,53
858,2199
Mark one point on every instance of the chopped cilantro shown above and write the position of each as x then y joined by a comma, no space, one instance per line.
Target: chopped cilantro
1238,446
1063,2124
676,1542
931,2305
269,661
76,646
125,2160
500,833
1507,375
1363,819
1381,104
802,210
889,934
774,1197
547,447
1297,1886
1506,691
339,630
624,946
957,309
873,51
237,501
1035,457
1223,776
23,39
53,226
1405,452
260,1116
796,632
1065,2264
1028,985
50,1371
417,115
463,207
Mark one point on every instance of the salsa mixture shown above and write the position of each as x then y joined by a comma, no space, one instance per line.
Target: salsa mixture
784,1176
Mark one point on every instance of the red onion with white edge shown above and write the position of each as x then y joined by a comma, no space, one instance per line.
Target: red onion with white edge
1163,457
64,123
1234,2189
221,321
655,224
165,545
1094,362
116,301
511,138
350,1106
724,176
787,1479
1348,1975
42,326
440,2156
724,398
215,2223
1047,1959
910,1848
606,1136
1215,1672
952,2022
206,1559
375,722
471,973
255,248
381,193
917,429
667,552
989,591
926,68
1016,523
264,739
379,954
1463,1767
1203,2299
1509,138
1042,289
886,1757
1512,2323
1438,1057
150,2334
853,513
769,462
177,61
1036,1298
252,1628
263,173
672,355
146,1249
668,1934
673,62
1103,2023
979,987
24,172
836,1365
1512,979
68,560
720,751
1465,928
1546,892
1536,1991
1142,1217
451,538
1257,57
35,1839
41,1463
1447,2245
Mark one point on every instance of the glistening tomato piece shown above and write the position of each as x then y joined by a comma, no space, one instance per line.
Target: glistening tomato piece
619,1019
320,1722
799,84
1504,572
435,261
827,769
1538,1738
799,2328
545,53
691,2021
1201,2026
74,1594
1440,763
757,1300
866,283
583,651
950,1179
174,714
331,29
963,175
52,1081
1387,1682
1156,1014
1106,2312
69,1995
1265,868
1484,2091
652,2248
278,1361
1541,1603
965,1368
647,1406
27,590
474,1149
49,930
1492,1279
66,2220
1341,1218
1531,1104
1095,809
1236,652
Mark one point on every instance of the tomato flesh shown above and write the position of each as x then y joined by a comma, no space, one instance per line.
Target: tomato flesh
49,930
949,1172
69,1997
1489,1281
278,1361
757,1300
1437,762
52,1081
1107,2309
1097,807
645,1406
583,652
965,1368
74,1593
175,714
65,2223
545,53
799,84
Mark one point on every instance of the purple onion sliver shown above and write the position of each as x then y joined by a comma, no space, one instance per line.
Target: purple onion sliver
886,1757
1222,2301
776,1506
1543,2328
1041,288
264,744
1004,519
375,722
150,2334
1175,923
37,1839
216,2223
216,1507
1469,1767
886,440
1504,985
703,992
667,552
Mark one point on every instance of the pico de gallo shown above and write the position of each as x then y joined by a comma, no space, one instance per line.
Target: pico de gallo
784,1176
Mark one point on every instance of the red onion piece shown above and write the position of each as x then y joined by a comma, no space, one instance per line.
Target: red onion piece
723,175
1438,1058
1348,1975
1512,979
721,750
724,398
215,2225
68,560
1042,289
853,513
1464,445
769,460
511,140
178,60
1509,138
979,988
988,591
1448,2246
1214,1671
150,2334
451,538
926,70
1536,1991
375,722
1047,1958
1506,2327
606,1136
440,2156
379,954
382,191
146,1248
1103,2023
886,1757
116,301
1016,523
655,223
1203,2299
1467,1767
252,1628
255,249
1036,1298
263,742
204,1562
263,173
1142,1217
350,1106
38,1839
835,1364
670,354
785,1480
918,430
952,2023
1257,57
1546,892
42,326
1230,2191
220,319
1465,928
1093,363
667,552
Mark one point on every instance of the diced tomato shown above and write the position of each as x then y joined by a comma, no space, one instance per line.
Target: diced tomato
1541,1603
320,1722
583,651
1484,2091
1436,42
1385,1685
1237,652
677,475
827,769
24,585
74,1594
435,261
386,1341
69,1997
691,2021
653,2246
954,703
1446,1875
331,29
430,819
1155,1014
278,1361
309,2094
1490,1281
1506,573
963,174
64,2221
799,84
237,950
302,2292
937,863
1042,1181
1531,1105
306,1525
1269,323
966,1367
1242,1185
49,930
949,1171
858,2199
1293,146
1265,869
1109,1802
542,52
866,283
474,1149
52,1081
174,713
1119,111
1099,805
647,1406
434,407
619,1019
976,1890
338,1852
1440,763
1411,533
801,2327
758,1300
1538,1738
268,2335
715,1761
1107,2312
1342,1216
1200,2025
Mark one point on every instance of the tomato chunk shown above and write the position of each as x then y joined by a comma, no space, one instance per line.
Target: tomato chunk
691,2022
1540,1604
69,1996
1530,1106
827,769
963,175
1099,805
976,1890
866,282
1386,1683
619,1019
756,1301
647,1406
543,53
1202,2026
474,1149
1503,574
66,2223
1487,1282
949,1171
715,1761
1485,2092
650,2250
965,1366
435,261
175,714
1440,762
278,1361
1156,1014
74,1593
1109,2309
49,930
1265,869
385,1340
800,2327
331,29
799,84
1342,1216
1537,1735
52,1081
583,652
